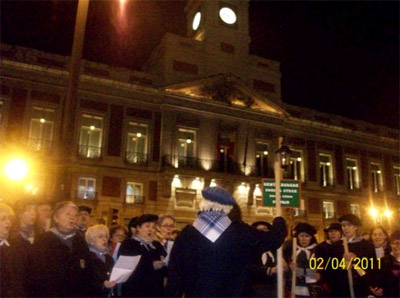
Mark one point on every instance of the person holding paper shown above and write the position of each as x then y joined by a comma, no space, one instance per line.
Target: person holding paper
213,256
143,280
99,263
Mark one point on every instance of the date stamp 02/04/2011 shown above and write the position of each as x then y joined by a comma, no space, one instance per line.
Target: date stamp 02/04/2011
341,264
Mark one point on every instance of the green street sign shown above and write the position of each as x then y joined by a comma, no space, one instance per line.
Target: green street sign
290,193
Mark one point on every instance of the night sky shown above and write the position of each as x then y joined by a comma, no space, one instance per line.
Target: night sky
336,57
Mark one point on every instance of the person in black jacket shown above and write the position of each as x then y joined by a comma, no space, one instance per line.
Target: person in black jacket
11,273
358,248
100,263
59,257
143,281
213,256
264,268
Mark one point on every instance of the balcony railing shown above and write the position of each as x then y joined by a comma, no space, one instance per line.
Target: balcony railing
355,185
136,158
299,213
329,214
40,144
195,163
85,194
134,199
327,182
89,151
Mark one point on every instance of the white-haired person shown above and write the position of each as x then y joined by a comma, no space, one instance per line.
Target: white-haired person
60,257
100,263
213,256
11,275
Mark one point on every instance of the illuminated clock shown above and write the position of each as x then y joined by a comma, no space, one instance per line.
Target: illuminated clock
227,15
196,21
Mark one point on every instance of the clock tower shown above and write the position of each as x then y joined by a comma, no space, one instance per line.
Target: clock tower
217,42
223,27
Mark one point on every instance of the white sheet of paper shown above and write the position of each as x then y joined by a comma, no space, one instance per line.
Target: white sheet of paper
123,268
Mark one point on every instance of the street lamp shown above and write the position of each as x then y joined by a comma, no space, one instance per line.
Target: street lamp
16,169
282,162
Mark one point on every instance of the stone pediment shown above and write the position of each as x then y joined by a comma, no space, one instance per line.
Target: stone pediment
226,88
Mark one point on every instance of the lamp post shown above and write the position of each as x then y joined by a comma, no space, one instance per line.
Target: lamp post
70,103
281,162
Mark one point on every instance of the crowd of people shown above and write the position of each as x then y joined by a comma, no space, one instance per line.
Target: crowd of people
54,251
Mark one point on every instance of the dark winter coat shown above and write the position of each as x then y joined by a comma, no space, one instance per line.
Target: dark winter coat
157,254
386,277
263,282
97,272
142,281
11,272
201,268
57,270
362,249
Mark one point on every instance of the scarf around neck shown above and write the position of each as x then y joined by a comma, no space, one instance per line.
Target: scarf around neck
4,242
99,253
211,224
144,242
61,235
307,250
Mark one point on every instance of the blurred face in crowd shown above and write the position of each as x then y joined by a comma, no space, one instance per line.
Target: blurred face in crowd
395,245
100,240
378,237
262,228
28,217
146,231
304,239
5,223
118,236
44,212
334,235
65,219
166,227
349,230
83,219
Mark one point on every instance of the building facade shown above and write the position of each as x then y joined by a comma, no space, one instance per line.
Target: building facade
202,112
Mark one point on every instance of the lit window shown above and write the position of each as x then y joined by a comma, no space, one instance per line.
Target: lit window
87,188
376,176
296,165
41,128
136,148
262,160
225,154
355,209
186,148
91,134
353,181
326,172
134,193
328,209
396,173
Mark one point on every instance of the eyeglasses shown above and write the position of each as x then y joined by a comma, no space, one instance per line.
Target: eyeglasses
168,226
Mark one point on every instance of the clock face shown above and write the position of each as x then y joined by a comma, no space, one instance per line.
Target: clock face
196,21
227,15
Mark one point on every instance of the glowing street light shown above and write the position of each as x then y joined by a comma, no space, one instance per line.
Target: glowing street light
16,169
373,212
388,213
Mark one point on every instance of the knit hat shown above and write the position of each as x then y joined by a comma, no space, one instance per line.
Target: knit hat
306,228
218,195
334,226
353,219
85,209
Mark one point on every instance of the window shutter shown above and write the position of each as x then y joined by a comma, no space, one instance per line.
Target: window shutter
115,130
312,174
339,164
388,173
153,190
111,187
364,168
157,137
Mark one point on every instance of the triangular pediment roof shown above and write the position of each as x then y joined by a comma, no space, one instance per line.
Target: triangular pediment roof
226,88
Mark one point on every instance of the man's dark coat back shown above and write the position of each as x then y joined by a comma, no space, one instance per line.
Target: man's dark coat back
200,268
